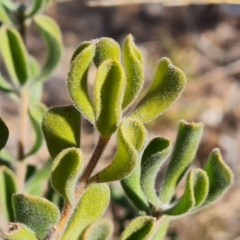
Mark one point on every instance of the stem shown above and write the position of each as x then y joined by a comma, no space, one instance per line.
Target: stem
83,181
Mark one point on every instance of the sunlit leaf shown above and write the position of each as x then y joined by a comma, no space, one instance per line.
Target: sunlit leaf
161,228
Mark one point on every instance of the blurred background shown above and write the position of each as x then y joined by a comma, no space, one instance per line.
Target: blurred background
204,41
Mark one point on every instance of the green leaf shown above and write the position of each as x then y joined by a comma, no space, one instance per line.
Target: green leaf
196,191
4,85
90,208
99,230
4,133
34,68
106,48
109,90
36,213
8,186
66,169
6,156
168,84
9,5
34,8
4,18
133,62
20,232
140,228
219,174
131,139
188,138
77,79
153,157
14,54
61,128
161,228
53,38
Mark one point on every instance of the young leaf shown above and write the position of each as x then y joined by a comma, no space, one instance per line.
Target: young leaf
133,62
8,186
14,54
20,232
153,157
4,18
90,208
11,6
61,129
168,84
36,213
99,230
34,8
4,85
34,68
219,174
67,167
77,79
196,190
106,48
4,133
140,228
52,35
161,228
109,89
131,139
188,138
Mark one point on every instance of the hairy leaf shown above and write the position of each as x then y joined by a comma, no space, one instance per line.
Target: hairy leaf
77,79
99,230
133,62
106,48
131,139
109,89
67,167
168,84
36,213
188,138
161,228
140,228
53,38
90,208
61,129
153,157
4,133
14,54
8,186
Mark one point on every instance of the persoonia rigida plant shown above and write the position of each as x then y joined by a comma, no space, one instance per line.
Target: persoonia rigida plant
136,161
23,82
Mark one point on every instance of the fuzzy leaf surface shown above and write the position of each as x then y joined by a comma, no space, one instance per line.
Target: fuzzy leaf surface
106,48
109,90
161,228
14,54
140,228
4,133
36,213
67,167
131,139
99,230
133,62
188,138
53,38
90,208
153,157
77,79
196,190
61,129
168,84
8,186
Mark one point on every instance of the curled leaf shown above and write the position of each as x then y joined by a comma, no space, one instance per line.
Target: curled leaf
188,138
168,84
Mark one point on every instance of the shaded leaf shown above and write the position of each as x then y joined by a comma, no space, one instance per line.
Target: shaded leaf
77,79
36,213
131,139
4,18
188,138
67,167
153,157
168,84
90,208
4,133
106,48
14,54
8,186
4,85
140,228
99,230
161,228
133,62
34,68
109,89
53,38
61,129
